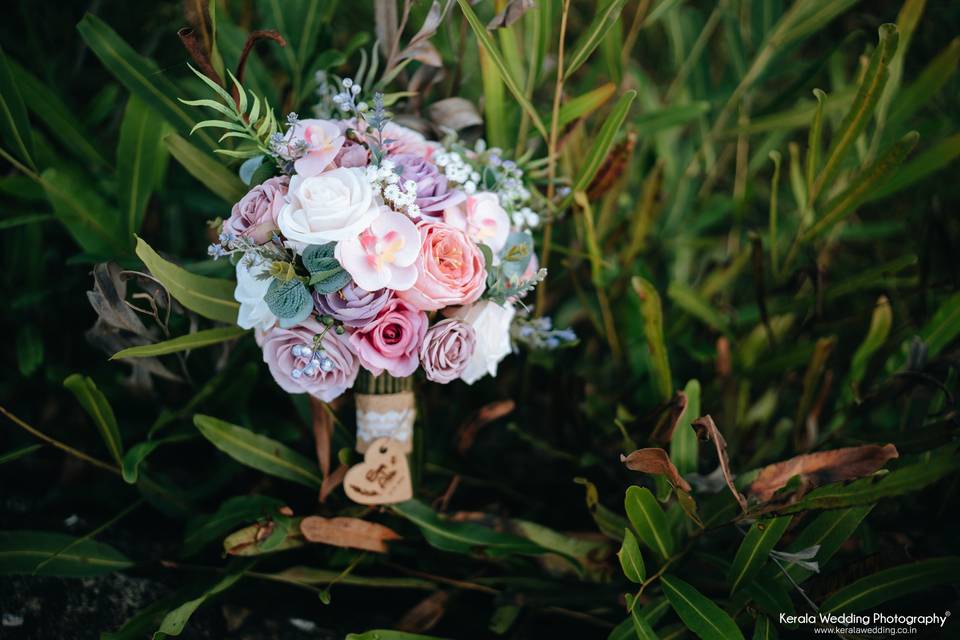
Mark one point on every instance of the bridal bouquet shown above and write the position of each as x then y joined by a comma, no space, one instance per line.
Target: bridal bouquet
365,252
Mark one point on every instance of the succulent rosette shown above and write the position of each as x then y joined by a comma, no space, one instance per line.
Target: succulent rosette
363,246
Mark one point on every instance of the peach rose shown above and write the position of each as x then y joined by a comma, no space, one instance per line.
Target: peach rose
450,268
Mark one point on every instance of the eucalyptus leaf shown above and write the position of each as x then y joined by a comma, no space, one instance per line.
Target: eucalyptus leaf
290,301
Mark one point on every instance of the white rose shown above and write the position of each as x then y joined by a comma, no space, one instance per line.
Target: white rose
254,312
329,207
492,324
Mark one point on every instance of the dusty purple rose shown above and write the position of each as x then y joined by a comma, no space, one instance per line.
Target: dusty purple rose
297,369
353,306
352,155
255,215
433,193
446,350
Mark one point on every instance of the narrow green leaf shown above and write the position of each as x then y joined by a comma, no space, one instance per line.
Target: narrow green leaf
29,218
235,511
138,74
135,456
96,226
22,551
258,451
631,560
861,110
943,327
585,104
14,125
610,523
642,627
174,622
684,446
484,41
16,454
138,158
753,551
813,140
652,312
210,297
940,155
649,521
693,303
594,35
700,614
196,340
494,107
764,629
892,584
216,177
828,531
99,409
387,634
880,323
653,122
928,84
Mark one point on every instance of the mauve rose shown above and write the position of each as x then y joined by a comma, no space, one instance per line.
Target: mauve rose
255,216
352,155
450,269
447,349
335,372
352,306
433,193
392,340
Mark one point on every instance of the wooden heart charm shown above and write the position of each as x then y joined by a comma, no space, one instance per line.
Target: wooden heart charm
382,478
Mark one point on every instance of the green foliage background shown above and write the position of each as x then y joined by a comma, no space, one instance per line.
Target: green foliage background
787,259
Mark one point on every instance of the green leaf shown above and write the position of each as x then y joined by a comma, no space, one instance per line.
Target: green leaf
387,634
290,301
631,560
652,312
29,350
29,218
138,74
649,521
871,87
654,121
174,622
943,327
210,297
260,452
14,124
880,323
600,145
138,161
99,409
928,84
602,22
610,523
214,176
684,446
463,537
693,303
486,43
16,454
702,617
195,340
585,104
96,227
764,629
932,160
496,126
828,531
22,551
232,512
893,584
642,627
135,456
753,551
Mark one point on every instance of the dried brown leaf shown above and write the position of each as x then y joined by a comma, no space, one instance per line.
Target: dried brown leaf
455,114
655,460
348,532
512,11
706,429
467,433
425,614
612,167
322,433
665,428
332,481
822,467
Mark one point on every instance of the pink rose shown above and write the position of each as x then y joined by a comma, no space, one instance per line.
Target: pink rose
392,340
450,269
322,141
297,368
484,220
447,349
255,216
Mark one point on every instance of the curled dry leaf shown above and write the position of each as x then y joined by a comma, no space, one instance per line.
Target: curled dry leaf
424,615
455,114
353,533
706,429
655,460
665,428
510,13
822,467
467,433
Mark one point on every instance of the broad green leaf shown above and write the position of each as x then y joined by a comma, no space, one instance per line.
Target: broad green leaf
861,187
585,104
861,110
603,21
652,312
235,511
174,622
205,168
486,43
600,145
764,629
631,560
15,128
880,323
684,446
99,409
494,107
16,454
753,551
387,634
649,521
260,452
610,523
700,614
138,160
893,584
642,627
22,551
196,340
828,531
97,227
210,297
463,537
138,74
136,454
940,155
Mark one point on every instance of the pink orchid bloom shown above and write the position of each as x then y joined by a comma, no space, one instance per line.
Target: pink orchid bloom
323,142
382,256
482,217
